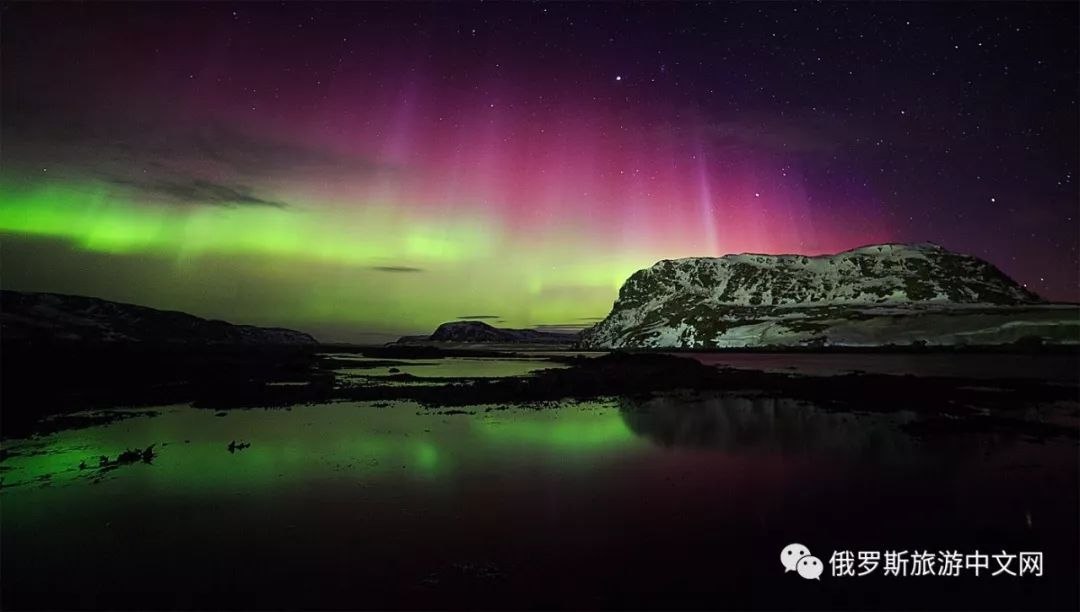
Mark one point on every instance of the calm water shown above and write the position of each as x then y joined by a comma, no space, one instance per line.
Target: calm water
450,367
679,501
1062,368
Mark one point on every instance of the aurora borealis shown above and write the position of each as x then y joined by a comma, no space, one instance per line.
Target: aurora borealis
364,170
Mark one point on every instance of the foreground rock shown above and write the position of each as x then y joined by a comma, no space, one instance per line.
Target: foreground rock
54,317
881,295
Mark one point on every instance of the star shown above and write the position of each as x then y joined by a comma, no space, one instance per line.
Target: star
618,77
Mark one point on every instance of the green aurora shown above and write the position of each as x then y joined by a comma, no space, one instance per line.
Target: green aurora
343,275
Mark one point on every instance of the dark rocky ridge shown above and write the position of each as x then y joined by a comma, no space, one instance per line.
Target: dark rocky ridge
58,318
478,332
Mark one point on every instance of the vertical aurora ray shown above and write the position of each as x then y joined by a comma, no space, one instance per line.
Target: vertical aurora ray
548,254
390,197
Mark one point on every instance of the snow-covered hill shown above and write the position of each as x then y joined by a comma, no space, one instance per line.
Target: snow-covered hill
55,317
875,295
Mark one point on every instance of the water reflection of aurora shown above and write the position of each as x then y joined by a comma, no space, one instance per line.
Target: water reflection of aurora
365,441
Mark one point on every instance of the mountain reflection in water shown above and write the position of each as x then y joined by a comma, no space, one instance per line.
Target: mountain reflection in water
678,500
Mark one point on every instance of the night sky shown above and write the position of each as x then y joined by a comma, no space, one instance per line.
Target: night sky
361,170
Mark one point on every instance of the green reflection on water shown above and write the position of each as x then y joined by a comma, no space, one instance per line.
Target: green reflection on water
361,441
583,429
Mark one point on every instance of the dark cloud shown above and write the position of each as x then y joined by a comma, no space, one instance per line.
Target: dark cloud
179,162
254,155
478,317
198,191
396,269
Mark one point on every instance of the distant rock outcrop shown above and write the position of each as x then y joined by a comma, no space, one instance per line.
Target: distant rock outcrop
903,294
68,318
478,332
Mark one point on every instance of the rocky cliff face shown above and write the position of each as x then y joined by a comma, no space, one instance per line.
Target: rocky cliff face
67,318
874,295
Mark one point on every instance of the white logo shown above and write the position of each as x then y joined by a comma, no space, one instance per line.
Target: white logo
810,567
789,557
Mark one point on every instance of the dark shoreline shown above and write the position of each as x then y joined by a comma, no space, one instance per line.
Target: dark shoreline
452,349
44,385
